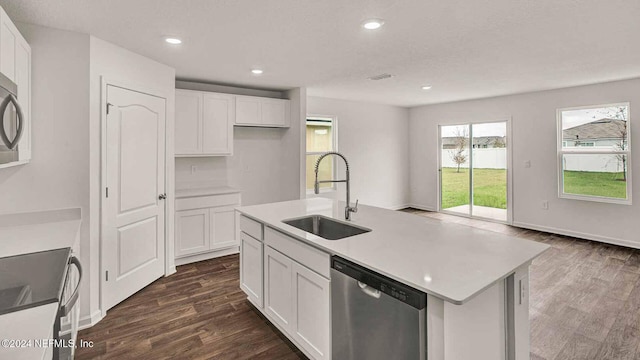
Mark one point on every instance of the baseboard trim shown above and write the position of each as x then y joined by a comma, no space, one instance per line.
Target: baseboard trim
234,249
577,234
398,207
90,320
422,207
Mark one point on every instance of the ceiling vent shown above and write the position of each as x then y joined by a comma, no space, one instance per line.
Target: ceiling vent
380,77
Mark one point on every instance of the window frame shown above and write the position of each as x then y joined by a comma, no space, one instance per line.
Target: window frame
593,150
334,140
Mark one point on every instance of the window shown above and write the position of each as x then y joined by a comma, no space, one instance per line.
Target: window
321,137
594,153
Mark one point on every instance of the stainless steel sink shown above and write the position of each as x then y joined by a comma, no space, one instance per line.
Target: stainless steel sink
325,227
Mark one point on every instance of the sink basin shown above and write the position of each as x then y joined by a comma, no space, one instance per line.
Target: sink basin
325,227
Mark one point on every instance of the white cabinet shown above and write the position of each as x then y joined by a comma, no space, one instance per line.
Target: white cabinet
311,306
251,255
15,64
204,226
203,123
294,278
192,232
264,112
298,300
278,292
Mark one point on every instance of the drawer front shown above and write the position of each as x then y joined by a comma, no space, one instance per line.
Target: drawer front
251,227
200,202
314,259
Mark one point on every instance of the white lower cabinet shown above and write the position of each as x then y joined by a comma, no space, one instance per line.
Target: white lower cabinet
251,255
278,272
298,299
311,306
205,226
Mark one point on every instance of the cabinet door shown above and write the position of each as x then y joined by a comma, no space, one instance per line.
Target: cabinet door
251,268
278,294
188,122
217,124
222,227
192,232
275,112
248,111
311,327
8,38
23,80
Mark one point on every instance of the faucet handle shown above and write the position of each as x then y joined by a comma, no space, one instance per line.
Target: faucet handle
355,208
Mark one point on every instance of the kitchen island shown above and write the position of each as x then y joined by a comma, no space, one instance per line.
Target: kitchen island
476,281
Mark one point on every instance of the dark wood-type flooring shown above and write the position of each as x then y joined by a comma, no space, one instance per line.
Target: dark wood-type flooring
585,304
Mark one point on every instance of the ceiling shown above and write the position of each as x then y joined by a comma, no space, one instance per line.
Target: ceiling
465,48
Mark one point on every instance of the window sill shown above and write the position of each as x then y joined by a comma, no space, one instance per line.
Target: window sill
595,199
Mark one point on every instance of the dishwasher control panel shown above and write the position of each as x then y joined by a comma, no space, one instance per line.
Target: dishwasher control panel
386,285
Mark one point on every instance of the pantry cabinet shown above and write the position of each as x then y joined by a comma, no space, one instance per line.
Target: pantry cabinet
262,112
203,123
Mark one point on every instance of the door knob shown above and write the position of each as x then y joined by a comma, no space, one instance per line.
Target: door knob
162,196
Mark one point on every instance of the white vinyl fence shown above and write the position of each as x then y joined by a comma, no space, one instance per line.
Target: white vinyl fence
493,158
496,158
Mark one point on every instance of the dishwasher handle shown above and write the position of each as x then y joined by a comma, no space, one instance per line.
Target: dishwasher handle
369,290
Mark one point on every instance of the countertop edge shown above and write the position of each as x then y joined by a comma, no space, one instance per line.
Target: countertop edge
455,301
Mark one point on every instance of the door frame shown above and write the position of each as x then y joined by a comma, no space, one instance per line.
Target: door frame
169,265
509,135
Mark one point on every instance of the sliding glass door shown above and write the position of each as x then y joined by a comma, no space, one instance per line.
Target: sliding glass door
473,170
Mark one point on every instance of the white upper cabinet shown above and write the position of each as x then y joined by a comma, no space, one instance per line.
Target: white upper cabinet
204,123
188,126
15,64
263,112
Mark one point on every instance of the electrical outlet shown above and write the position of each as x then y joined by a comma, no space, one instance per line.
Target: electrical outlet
545,205
194,169
522,292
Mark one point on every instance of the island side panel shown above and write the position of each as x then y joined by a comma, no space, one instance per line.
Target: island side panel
477,329
521,325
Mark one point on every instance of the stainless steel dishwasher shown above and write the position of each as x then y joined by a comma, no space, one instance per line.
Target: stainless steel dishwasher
375,317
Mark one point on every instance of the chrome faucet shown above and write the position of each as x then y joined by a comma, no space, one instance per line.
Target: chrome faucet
316,187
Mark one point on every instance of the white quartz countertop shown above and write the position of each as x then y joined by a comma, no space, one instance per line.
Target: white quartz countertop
450,261
29,232
204,191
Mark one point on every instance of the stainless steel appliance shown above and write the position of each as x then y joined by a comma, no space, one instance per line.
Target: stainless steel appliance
11,121
68,313
375,317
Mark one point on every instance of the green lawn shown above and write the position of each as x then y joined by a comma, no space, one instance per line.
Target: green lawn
595,183
490,186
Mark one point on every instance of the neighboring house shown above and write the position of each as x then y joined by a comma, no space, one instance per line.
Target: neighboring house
480,142
598,133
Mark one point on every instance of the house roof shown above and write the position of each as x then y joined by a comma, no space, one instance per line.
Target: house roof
598,129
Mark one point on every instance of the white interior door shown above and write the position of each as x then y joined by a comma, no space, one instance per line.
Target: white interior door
133,228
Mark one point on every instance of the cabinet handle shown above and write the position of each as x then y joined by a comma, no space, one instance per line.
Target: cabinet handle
19,121
162,196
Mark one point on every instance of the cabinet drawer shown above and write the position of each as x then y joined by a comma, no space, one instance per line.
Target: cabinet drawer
200,202
251,227
314,259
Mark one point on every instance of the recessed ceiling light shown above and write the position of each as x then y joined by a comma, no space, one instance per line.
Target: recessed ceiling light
427,87
373,24
173,41
257,71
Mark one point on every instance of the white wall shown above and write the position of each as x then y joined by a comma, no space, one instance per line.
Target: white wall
534,138
374,138
265,165
115,63
58,175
